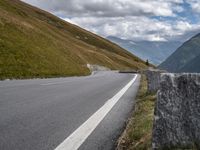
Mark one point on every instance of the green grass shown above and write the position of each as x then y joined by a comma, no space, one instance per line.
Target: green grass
138,133
34,43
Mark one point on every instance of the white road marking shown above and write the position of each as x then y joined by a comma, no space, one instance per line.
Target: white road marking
43,84
5,86
54,83
76,139
51,83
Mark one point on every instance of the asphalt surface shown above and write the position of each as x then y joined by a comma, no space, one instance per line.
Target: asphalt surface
39,114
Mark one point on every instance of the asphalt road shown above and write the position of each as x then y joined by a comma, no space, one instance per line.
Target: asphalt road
40,114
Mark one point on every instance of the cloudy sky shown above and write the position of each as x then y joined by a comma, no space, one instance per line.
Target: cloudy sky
152,20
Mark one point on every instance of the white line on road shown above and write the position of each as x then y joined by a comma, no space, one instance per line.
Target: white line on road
54,83
51,83
76,139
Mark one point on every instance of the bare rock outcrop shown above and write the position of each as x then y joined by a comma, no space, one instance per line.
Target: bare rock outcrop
177,112
97,68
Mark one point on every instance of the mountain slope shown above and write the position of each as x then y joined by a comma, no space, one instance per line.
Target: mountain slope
155,52
34,43
192,66
183,56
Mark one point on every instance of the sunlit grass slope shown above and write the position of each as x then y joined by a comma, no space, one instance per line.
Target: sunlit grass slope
34,43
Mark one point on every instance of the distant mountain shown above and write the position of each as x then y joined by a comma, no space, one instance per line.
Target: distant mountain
192,66
155,52
186,58
35,43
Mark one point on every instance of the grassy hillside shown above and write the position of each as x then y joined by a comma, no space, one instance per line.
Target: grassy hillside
183,55
34,43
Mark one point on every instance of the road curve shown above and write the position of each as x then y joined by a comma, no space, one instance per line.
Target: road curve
40,114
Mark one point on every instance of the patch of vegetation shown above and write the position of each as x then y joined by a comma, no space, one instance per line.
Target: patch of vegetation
138,133
34,43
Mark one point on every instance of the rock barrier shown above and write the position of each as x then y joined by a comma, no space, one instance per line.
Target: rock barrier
177,112
153,79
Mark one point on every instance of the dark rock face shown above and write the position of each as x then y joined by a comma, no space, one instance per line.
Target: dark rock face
153,79
177,112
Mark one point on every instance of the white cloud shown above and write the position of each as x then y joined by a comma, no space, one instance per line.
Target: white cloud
136,28
183,26
195,5
129,19
108,8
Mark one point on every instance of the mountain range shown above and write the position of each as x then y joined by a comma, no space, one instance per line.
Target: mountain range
35,43
186,58
154,51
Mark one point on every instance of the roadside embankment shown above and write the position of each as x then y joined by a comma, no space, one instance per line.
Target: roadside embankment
169,119
137,134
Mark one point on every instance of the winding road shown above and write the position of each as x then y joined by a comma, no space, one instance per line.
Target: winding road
85,113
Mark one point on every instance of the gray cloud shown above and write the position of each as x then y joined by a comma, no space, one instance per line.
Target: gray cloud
138,28
108,8
129,19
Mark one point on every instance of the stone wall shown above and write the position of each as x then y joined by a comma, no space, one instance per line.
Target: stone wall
177,112
153,79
